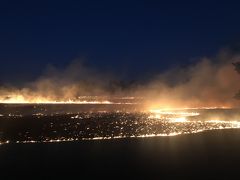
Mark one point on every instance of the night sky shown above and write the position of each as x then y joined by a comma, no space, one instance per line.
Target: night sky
132,38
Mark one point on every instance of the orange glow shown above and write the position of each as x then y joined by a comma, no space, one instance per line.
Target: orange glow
36,99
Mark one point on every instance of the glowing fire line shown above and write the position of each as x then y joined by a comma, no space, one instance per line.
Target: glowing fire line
19,99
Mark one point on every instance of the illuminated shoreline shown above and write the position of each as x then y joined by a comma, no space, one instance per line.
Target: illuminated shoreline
113,138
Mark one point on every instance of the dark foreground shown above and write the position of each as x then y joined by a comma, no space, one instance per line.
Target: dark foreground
213,154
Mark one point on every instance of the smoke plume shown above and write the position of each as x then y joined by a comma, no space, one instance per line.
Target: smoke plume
211,82
208,83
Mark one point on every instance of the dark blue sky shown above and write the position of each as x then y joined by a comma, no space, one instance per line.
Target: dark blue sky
132,38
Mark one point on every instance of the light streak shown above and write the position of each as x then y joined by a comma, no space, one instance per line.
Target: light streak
21,99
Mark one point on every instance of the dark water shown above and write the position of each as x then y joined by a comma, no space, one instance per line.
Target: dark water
213,154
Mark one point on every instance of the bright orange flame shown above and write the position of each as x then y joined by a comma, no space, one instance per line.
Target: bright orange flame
21,99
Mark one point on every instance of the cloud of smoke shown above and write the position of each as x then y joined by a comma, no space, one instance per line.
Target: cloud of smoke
61,85
208,83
